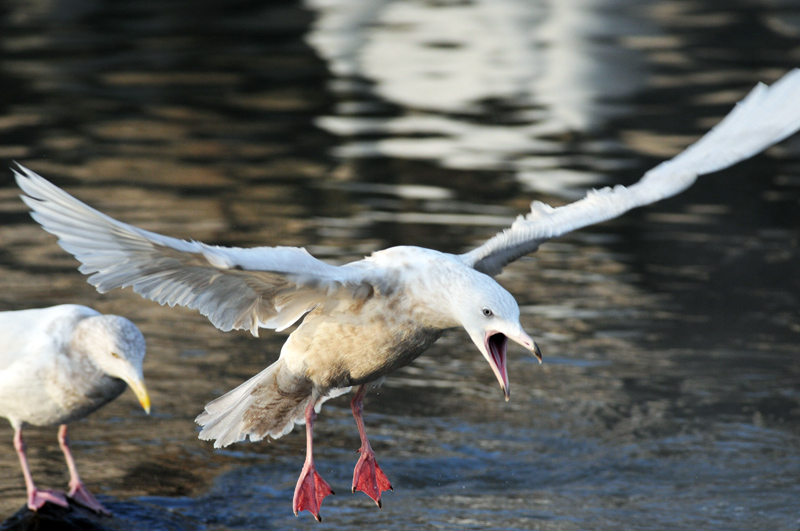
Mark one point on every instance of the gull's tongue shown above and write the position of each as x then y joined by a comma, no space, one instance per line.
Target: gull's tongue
497,344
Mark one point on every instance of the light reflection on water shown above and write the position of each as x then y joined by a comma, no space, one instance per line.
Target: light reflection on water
482,85
669,397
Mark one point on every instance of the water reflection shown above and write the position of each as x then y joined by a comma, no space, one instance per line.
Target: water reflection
481,85
669,397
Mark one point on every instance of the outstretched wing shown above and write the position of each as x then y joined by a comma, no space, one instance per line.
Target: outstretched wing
270,287
766,116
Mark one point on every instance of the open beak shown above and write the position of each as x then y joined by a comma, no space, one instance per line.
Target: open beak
525,340
139,389
496,344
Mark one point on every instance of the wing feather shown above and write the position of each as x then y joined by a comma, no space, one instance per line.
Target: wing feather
766,116
235,288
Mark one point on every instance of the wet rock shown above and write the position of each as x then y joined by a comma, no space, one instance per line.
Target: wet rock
55,518
128,516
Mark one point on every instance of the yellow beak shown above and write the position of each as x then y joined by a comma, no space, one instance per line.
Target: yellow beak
139,389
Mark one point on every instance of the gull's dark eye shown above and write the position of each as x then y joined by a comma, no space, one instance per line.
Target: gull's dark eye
487,312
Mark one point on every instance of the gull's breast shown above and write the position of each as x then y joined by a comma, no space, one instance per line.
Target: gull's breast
358,343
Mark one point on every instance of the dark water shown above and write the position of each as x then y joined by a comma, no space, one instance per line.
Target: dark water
670,396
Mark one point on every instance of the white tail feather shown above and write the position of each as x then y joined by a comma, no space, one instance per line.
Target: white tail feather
267,405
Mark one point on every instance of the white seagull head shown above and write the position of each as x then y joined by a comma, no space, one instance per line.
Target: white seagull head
117,347
490,315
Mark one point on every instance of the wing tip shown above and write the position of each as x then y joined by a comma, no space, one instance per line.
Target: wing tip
774,109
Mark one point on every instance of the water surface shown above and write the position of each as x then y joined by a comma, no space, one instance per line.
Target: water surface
670,396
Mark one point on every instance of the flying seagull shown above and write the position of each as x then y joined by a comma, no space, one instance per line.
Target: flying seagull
58,365
364,319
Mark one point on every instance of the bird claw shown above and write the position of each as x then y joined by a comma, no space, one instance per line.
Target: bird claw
310,491
80,494
369,478
38,498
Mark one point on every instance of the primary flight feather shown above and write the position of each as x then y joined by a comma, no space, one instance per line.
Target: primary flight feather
367,318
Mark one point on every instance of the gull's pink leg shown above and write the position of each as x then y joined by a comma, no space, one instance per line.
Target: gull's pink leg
77,490
367,476
36,498
311,488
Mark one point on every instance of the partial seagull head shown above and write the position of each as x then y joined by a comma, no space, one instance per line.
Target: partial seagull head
117,347
490,315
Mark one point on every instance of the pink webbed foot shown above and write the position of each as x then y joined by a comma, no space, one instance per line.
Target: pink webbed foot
368,476
37,498
79,493
310,491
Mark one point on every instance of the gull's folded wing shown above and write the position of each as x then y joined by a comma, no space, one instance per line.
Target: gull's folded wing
766,116
270,287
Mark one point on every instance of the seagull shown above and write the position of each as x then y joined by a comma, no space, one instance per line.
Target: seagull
58,365
362,320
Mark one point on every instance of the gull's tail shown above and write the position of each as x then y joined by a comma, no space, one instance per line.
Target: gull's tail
268,404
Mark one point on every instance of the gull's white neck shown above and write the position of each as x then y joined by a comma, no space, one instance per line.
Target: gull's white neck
433,284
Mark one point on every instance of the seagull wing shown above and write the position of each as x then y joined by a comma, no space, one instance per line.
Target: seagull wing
766,116
269,287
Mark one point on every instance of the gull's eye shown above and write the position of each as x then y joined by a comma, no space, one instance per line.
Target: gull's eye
487,312
116,355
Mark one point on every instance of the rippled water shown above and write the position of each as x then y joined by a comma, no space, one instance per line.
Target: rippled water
670,395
